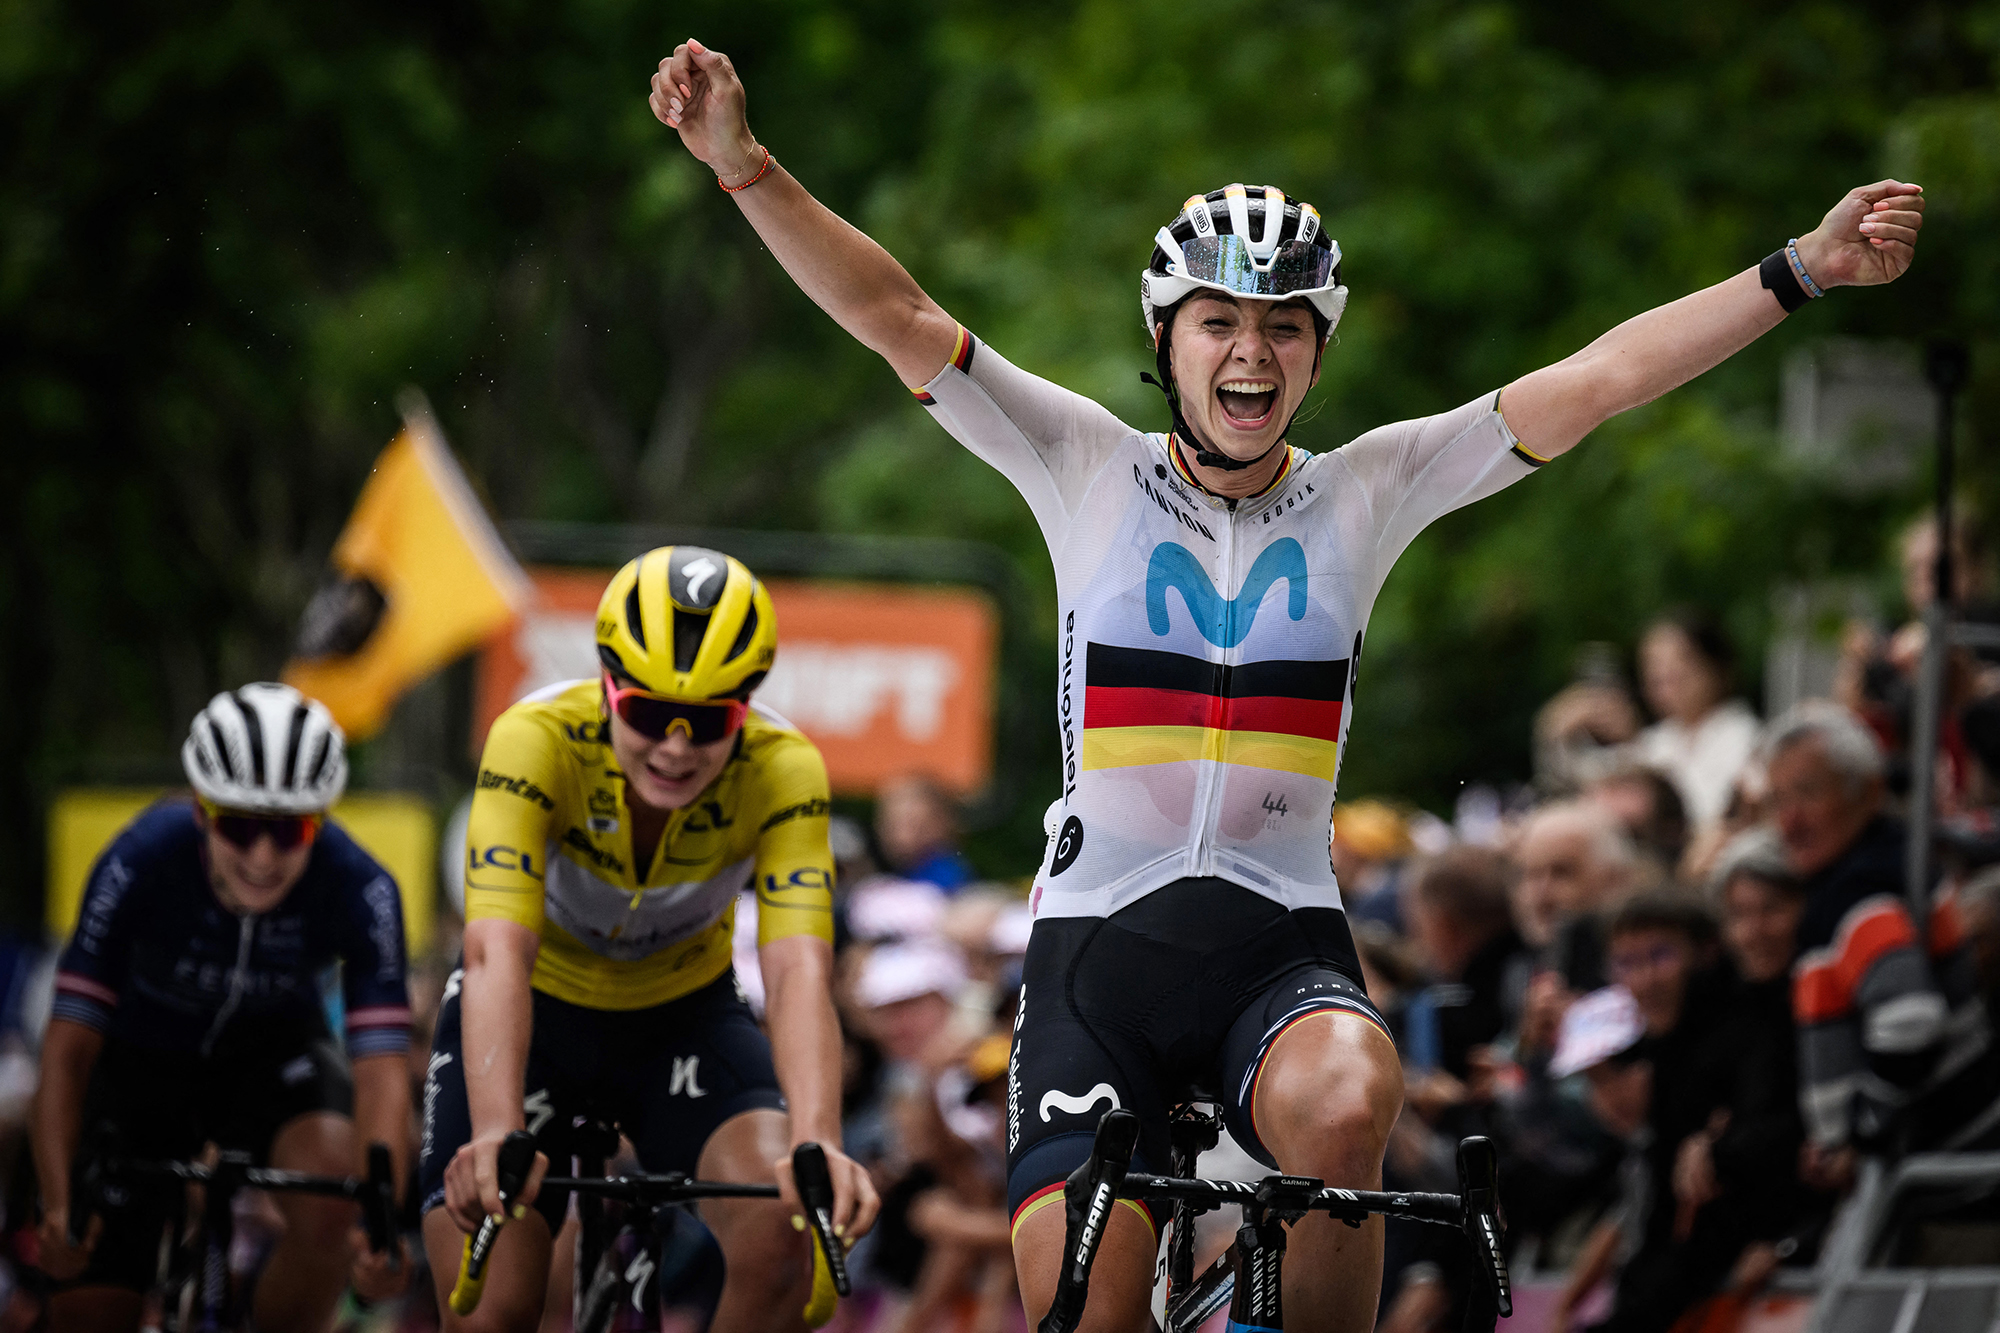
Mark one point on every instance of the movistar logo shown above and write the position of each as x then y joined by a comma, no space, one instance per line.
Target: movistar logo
1224,622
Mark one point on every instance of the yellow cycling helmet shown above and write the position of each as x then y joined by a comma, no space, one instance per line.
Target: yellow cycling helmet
689,623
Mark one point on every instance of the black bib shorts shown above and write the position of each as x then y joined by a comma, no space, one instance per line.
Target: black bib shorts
1186,990
667,1076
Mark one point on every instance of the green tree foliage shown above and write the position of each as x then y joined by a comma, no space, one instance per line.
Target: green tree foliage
229,233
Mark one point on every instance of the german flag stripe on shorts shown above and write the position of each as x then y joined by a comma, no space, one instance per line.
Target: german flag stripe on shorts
1145,706
1053,1194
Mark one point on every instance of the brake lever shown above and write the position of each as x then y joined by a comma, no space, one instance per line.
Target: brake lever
1479,1193
84,1191
517,1159
1089,1195
815,1185
378,1203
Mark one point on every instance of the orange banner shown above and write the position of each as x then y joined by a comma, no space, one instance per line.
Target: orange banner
887,679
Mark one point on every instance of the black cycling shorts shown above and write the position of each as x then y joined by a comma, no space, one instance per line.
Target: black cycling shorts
667,1076
167,1105
1185,990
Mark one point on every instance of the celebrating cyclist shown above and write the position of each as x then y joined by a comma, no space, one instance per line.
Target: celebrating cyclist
1214,584
189,1011
614,822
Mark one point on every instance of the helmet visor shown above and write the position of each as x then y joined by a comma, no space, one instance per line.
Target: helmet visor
1224,261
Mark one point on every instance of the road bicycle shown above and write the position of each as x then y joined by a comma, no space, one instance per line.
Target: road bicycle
644,1259
196,1293
1249,1276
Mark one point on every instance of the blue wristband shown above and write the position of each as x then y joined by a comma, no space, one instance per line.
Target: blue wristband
1799,269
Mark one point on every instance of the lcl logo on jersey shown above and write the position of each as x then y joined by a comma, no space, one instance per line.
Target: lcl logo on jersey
499,857
1223,621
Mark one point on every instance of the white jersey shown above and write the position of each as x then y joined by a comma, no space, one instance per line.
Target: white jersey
1207,653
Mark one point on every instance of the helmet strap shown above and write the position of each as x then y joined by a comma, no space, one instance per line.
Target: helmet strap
1204,455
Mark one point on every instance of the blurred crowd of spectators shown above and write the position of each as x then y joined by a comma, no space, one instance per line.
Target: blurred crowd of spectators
1680,981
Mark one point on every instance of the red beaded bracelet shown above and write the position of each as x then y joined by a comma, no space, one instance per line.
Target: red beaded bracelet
762,172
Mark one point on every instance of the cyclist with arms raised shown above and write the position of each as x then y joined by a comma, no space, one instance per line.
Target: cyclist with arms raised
614,822
1214,584
188,1011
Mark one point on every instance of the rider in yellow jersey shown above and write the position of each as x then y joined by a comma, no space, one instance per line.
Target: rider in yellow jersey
549,851
614,823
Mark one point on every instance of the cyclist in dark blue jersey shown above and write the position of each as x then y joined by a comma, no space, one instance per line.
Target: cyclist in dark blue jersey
188,1011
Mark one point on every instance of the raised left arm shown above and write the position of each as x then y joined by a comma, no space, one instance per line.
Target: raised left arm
1868,238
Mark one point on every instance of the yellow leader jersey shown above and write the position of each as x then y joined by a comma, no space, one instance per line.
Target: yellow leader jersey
550,846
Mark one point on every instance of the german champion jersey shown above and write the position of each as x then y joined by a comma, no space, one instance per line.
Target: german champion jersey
1207,647
549,846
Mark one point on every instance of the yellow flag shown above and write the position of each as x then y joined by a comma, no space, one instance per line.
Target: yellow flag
420,577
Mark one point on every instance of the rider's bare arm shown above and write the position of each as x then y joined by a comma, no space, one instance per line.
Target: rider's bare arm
1868,238
69,1053
496,1010
696,91
805,1050
382,1111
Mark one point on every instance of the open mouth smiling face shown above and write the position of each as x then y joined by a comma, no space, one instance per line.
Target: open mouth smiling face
1248,404
1256,359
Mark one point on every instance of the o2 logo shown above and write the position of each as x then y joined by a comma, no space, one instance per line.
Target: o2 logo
1069,845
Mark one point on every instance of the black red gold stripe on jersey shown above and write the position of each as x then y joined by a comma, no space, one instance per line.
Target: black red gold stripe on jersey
1527,455
961,358
1144,706
1186,473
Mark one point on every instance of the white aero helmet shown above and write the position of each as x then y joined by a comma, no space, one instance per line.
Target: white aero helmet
1258,245
266,749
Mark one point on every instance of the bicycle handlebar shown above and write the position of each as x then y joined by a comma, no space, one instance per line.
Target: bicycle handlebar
375,1192
1346,1205
1103,1178
672,1187
809,1174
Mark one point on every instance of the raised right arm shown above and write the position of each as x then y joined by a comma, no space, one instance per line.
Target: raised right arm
696,92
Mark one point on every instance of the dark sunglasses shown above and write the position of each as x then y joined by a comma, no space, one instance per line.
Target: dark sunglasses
655,716
242,831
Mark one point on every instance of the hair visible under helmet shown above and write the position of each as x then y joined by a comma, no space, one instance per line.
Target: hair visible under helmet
266,749
1258,246
689,623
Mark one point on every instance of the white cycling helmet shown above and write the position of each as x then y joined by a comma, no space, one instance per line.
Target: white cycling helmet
266,749
1259,244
